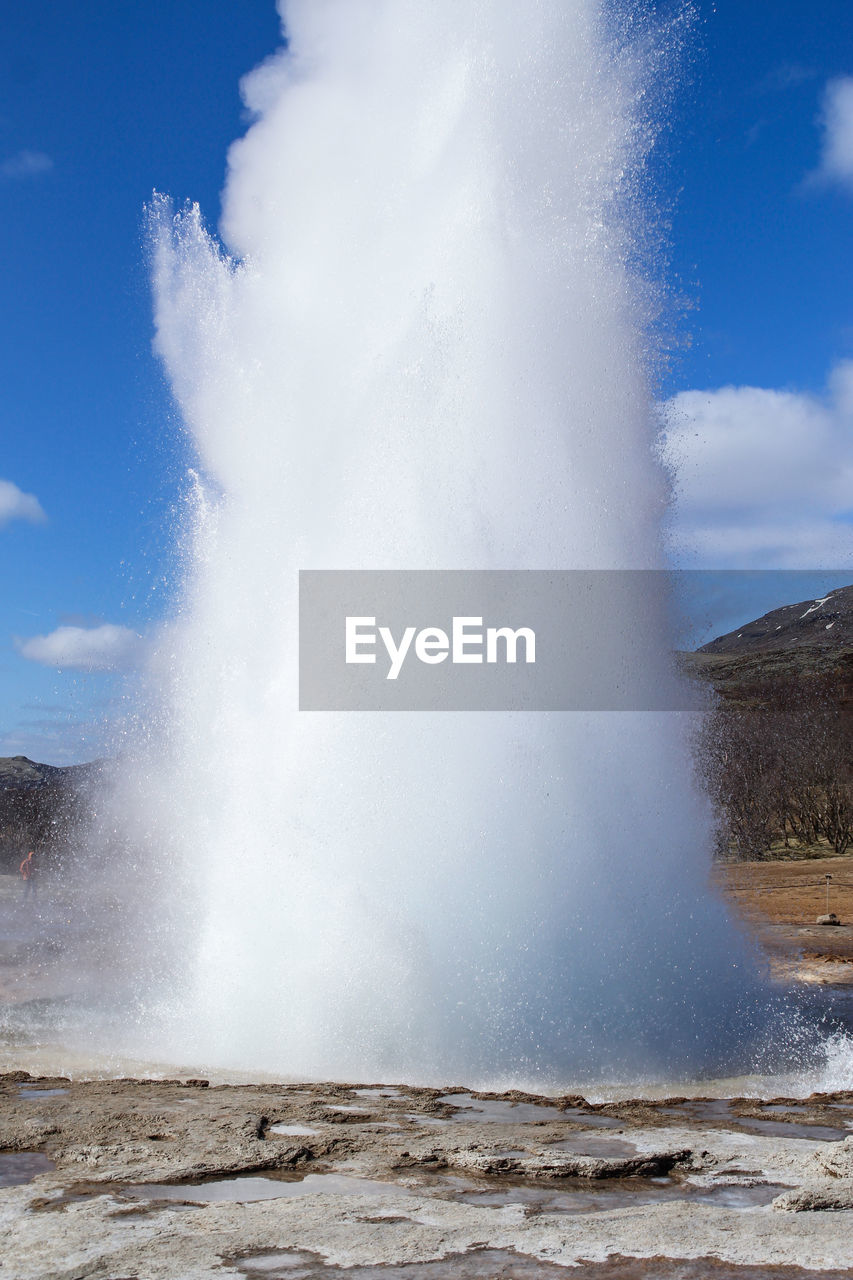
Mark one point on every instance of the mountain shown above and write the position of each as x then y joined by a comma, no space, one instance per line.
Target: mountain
40,805
808,644
824,625
19,771
775,753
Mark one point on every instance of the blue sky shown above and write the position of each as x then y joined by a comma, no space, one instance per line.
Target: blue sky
103,103
764,256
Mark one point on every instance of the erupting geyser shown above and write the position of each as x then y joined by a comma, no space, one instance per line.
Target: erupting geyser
424,348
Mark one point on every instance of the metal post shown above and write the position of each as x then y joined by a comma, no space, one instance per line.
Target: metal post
827,879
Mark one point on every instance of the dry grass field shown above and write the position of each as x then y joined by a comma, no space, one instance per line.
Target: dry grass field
780,902
792,891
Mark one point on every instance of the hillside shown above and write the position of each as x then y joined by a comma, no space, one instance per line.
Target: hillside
807,644
40,805
824,625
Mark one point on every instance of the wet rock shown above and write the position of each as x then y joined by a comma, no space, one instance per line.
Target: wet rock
437,1190
819,1196
835,1160
560,1164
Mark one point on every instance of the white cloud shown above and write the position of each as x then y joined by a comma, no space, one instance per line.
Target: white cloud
26,164
836,161
103,648
17,505
764,478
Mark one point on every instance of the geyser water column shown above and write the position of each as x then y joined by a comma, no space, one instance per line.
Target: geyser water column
422,347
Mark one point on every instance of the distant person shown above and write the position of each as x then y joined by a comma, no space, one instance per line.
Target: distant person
28,875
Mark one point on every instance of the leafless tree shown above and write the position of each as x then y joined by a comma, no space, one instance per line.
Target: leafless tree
778,768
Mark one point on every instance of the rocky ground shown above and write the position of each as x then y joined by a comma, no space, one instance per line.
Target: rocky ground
175,1180
146,1179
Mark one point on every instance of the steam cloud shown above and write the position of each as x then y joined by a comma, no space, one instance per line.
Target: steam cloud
422,346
